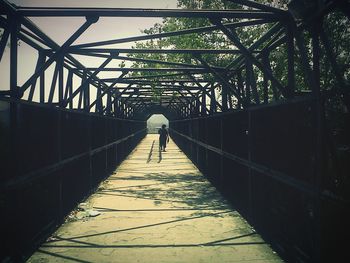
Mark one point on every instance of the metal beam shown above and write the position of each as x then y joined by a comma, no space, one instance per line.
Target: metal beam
38,64
54,81
146,60
100,96
231,34
290,52
194,70
142,81
136,12
59,52
73,50
221,79
196,97
156,76
4,38
273,30
266,8
10,9
213,99
14,57
174,33
84,84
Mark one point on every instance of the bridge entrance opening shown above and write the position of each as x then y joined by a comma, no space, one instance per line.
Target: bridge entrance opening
155,122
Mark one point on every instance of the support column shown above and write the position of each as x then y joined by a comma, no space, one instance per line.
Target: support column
14,58
42,78
60,81
290,51
203,104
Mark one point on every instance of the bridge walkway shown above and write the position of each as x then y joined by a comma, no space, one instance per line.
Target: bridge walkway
155,208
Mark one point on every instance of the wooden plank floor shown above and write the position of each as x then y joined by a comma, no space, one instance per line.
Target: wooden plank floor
155,209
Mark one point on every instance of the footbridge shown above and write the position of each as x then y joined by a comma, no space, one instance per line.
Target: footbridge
257,168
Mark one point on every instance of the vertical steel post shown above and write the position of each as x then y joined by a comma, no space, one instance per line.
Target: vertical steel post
54,82
241,88
115,103
109,103
308,74
14,57
81,93
252,81
60,81
32,88
42,57
290,51
68,85
212,100
224,97
87,97
203,104
99,103
265,87
267,65
247,82
4,39
70,91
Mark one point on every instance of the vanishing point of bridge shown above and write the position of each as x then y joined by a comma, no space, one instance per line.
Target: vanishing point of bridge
257,168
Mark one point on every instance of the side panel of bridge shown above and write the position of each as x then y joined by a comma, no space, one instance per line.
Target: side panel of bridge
270,163
51,159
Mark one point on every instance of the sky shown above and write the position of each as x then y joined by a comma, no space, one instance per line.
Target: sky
60,29
106,28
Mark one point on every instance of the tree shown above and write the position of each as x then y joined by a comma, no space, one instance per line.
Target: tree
335,26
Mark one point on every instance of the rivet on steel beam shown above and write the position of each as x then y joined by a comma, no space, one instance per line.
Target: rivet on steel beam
17,93
114,54
215,21
63,104
92,18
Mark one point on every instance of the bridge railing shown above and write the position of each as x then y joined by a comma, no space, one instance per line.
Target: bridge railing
51,159
270,161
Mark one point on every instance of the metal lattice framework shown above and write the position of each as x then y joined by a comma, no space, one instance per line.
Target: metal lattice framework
184,90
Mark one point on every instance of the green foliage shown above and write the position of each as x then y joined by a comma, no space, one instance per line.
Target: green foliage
336,26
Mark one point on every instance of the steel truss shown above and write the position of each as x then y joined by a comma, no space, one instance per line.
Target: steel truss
235,86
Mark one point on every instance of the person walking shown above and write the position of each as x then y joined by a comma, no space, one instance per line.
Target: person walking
163,137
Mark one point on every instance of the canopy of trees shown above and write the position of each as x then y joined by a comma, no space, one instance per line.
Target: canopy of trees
335,25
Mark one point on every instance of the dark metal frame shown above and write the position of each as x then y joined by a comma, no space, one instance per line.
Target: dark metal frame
235,92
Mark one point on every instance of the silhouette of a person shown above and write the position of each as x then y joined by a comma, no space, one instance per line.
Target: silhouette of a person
163,137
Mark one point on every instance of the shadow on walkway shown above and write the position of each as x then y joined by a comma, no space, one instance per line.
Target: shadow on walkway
155,210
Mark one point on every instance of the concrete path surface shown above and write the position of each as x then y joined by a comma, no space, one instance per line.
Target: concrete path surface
155,209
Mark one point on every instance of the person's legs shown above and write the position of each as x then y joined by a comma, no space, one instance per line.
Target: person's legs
162,144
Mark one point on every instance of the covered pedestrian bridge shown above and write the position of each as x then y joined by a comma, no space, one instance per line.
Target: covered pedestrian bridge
276,155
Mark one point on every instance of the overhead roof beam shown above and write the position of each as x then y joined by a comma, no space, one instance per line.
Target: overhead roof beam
78,51
196,30
194,70
164,87
259,6
145,60
156,76
142,81
139,12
